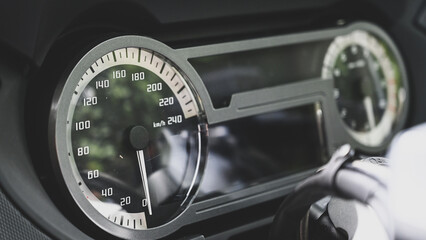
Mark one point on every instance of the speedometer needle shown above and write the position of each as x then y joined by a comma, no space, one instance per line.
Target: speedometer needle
368,104
142,168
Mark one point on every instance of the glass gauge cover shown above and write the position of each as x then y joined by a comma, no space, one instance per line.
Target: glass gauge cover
368,85
129,137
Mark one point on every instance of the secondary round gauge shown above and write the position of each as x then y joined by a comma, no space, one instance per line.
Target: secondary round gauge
129,136
368,85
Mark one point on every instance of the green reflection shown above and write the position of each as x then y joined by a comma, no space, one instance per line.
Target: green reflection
125,103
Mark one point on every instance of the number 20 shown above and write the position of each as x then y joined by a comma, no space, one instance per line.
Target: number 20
125,201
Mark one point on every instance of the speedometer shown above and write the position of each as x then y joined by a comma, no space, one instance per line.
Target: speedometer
129,136
369,85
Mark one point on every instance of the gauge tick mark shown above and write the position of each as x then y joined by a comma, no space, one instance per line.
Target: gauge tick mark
115,57
181,89
152,58
162,68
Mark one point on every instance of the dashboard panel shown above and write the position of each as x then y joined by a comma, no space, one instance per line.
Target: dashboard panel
123,128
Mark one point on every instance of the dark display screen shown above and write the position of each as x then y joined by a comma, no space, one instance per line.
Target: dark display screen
256,149
227,74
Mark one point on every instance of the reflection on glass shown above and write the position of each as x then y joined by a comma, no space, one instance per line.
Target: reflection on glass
106,147
253,150
231,73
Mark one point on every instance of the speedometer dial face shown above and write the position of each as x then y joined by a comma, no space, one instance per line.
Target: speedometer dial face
367,86
133,138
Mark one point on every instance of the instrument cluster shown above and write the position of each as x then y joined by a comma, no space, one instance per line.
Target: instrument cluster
147,139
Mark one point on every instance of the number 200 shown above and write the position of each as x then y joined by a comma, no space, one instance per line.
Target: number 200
154,87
